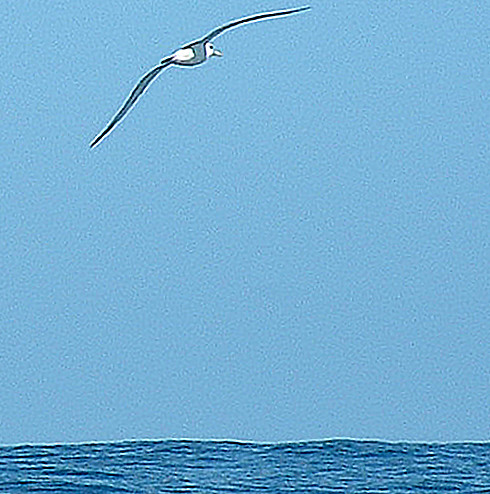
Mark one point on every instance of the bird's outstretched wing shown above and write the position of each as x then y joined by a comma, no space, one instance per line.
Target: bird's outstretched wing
253,18
139,89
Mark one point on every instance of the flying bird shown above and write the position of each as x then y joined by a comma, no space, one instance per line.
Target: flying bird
189,55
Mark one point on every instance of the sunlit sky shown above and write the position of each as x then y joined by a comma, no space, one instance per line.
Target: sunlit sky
290,242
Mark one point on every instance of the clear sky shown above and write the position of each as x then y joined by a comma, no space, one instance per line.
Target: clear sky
289,242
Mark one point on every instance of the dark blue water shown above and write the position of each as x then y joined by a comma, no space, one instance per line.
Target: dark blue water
337,466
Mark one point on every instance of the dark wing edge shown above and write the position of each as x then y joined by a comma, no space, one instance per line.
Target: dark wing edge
138,90
253,18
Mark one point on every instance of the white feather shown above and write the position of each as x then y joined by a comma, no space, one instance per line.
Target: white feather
209,49
184,54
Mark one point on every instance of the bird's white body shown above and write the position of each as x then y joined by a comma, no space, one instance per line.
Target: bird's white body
184,54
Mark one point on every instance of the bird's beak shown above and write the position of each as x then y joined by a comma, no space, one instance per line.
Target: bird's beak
217,53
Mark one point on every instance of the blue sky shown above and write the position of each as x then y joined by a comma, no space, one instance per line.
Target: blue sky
290,242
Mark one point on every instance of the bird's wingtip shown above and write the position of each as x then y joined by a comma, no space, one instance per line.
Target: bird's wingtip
302,9
94,143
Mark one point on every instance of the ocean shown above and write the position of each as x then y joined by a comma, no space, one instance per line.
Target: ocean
182,466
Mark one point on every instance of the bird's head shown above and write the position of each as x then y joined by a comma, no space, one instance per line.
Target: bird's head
211,51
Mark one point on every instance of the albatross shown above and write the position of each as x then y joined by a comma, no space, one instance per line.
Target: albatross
190,55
